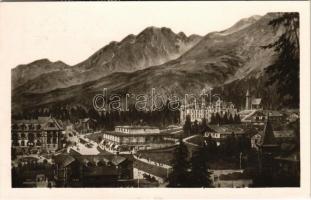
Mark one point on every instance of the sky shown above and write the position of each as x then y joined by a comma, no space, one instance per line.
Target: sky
73,31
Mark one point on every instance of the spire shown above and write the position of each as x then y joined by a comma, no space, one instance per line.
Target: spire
247,93
248,100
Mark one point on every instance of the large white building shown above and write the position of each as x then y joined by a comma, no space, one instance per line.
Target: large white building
133,137
198,112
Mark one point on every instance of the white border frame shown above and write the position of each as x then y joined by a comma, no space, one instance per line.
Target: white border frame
7,192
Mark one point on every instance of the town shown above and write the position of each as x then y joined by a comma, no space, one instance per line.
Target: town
208,144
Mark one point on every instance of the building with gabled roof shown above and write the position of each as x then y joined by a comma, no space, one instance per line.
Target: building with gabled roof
252,103
91,170
43,133
269,147
259,117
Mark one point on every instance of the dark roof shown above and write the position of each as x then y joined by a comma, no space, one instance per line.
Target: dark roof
137,127
42,121
209,129
114,159
28,159
227,129
88,119
63,160
132,134
100,171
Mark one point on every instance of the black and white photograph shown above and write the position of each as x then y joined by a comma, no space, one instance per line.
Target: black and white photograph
138,96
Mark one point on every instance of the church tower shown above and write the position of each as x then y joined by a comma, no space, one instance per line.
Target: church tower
248,101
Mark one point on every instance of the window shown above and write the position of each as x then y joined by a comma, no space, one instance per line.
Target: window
49,137
15,139
23,126
54,140
51,124
38,143
54,134
15,126
31,136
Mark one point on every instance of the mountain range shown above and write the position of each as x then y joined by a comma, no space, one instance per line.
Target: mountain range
155,58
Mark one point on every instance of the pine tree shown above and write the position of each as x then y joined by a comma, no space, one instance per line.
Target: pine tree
179,177
217,118
195,127
284,72
203,125
199,175
224,119
230,119
237,119
213,119
187,126
211,148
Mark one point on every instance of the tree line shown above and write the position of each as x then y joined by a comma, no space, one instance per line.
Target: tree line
105,120
192,128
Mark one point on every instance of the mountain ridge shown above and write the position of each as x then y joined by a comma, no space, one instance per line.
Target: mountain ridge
214,61
152,46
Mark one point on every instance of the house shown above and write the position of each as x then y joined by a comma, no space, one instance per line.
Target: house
252,103
283,136
256,104
30,172
259,117
44,133
220,132
287,168
88,125
280,137
142,169
91,170
230,178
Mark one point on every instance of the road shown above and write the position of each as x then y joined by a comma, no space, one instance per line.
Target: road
185,140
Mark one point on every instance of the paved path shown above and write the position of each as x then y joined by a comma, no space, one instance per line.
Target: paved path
83,149
185,140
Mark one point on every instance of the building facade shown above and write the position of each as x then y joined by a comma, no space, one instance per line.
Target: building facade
259,117
133,137
196,112
44,133
252,103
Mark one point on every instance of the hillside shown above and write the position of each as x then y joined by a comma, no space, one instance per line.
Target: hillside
153,46
216,60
